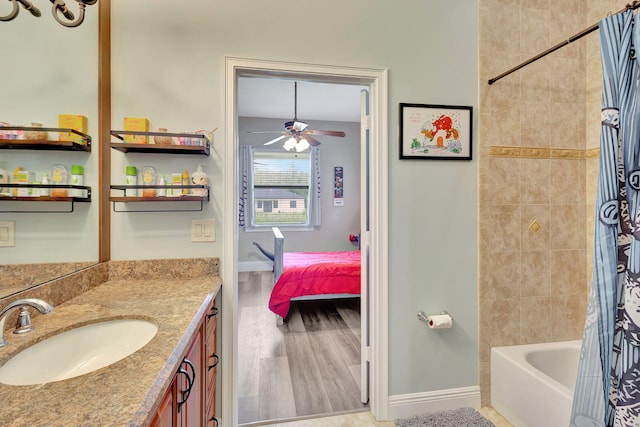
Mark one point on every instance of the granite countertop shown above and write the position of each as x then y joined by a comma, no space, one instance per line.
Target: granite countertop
129,391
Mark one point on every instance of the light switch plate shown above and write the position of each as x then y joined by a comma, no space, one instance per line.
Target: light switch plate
203,230
7,233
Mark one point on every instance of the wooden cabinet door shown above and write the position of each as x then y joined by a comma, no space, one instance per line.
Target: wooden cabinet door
211,363
191,413
190,401
165,417
211,356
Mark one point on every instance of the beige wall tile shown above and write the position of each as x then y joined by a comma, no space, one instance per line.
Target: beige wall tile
552,103
502,183
567,182
563,25
485,383
567,8
536,129
567,125
504,221
533,30
568,272
539,4
535,228
566,83
592,169
535,320
505,34
567,317
493,63
504,275
534,178
503,127
505,322
535,274
566,227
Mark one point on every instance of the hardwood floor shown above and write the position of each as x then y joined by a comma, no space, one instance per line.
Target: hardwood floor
308,366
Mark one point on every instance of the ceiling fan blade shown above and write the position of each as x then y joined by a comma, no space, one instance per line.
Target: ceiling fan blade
312,141
324,132
274,140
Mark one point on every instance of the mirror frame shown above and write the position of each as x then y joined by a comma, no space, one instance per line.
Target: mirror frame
104,129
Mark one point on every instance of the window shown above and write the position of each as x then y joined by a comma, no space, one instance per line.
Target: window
278,187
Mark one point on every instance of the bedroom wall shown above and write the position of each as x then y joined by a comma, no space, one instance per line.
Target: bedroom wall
337,222
168,64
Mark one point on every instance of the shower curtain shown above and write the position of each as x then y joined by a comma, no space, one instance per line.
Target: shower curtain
607,391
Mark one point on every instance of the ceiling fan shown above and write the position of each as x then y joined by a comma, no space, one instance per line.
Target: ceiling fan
297,133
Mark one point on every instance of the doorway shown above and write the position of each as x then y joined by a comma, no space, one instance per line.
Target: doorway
373,234
313,360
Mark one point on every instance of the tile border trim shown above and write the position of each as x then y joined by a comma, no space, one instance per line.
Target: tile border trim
543,153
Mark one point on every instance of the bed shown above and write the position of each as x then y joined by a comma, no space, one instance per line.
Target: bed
310,275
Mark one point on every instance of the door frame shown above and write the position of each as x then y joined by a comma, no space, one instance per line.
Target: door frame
377,80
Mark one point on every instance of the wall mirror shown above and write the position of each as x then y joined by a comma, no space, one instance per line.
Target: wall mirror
48,69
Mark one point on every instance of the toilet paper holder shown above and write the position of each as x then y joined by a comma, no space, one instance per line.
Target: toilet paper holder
422,316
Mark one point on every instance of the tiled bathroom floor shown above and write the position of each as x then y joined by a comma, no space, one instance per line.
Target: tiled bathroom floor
365,419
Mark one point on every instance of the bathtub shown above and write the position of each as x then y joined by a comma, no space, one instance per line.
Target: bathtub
532,385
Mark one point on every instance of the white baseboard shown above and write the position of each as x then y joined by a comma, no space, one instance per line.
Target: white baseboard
409,405
255,266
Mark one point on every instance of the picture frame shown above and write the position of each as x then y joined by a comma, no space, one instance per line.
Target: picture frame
435,132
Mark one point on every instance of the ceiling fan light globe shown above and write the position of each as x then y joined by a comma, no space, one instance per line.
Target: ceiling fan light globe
302,145
289,144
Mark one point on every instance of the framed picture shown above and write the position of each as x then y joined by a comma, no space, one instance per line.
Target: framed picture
338,186
435,132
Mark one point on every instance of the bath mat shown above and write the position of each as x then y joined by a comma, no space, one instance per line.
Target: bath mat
463,417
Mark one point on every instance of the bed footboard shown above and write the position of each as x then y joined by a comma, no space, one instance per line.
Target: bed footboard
278,253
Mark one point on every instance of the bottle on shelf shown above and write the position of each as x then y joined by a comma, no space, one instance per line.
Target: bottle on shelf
44,192
59,176
14,179
131,178
77,178
176,182
199,177
162,192
185,181
149,178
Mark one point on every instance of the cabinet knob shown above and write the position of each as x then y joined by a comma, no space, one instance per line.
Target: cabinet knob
213,420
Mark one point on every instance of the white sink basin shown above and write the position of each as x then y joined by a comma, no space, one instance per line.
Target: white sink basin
77,351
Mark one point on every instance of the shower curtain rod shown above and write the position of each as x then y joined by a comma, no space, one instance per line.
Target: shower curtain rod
632,6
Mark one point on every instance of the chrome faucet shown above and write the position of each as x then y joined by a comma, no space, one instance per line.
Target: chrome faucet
24,318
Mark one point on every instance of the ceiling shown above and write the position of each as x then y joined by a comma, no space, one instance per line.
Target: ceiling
269,97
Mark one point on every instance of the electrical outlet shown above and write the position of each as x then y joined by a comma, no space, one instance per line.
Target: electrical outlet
203,230
7,233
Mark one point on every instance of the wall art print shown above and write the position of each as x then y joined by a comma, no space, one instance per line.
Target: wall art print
440,132
338,186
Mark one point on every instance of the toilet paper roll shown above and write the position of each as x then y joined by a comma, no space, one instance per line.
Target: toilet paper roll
440,321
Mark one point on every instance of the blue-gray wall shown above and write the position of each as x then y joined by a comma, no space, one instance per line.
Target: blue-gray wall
168,65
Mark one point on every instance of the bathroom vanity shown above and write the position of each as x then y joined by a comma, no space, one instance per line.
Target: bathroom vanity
146,387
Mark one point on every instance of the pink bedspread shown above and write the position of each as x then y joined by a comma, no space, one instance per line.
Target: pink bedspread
315,273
